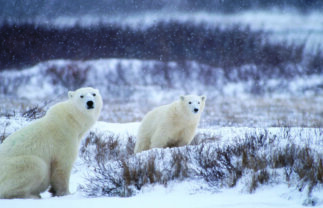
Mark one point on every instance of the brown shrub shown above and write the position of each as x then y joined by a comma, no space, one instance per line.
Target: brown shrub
255,156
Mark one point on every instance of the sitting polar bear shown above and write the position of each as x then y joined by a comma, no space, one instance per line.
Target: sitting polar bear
42,154
170,125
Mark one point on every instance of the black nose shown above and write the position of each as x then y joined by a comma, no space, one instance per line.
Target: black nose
89,104
196,110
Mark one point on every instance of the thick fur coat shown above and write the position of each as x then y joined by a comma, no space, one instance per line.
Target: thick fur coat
42,154
170,125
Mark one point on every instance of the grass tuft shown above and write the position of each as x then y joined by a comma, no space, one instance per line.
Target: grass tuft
259,157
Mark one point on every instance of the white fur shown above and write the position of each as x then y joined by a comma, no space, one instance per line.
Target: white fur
42,154
170,125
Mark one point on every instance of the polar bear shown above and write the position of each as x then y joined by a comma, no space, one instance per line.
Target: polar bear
42,154
170,125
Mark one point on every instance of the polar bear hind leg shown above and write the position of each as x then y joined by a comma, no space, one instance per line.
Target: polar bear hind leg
23,177
143,141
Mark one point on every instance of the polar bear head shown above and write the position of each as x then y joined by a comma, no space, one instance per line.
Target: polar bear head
87,100
193,103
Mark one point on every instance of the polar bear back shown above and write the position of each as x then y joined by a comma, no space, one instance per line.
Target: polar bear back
157,118
25,141
37,138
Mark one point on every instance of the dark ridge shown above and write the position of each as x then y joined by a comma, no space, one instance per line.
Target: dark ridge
27,44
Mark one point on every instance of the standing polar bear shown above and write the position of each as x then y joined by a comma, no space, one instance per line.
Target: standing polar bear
170,125
42,154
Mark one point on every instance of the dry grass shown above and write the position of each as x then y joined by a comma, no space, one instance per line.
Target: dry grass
97,148
30,113
260,158
34,112
70,76
234,111
263,112
3,135
220,111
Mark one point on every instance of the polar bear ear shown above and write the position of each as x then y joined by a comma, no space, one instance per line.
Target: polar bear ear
182,97
203,97
70,94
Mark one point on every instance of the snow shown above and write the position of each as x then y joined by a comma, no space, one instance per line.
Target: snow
189,193
175,196
117,128
37,84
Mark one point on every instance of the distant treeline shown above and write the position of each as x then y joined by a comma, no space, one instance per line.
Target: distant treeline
19,10
28,44
229,6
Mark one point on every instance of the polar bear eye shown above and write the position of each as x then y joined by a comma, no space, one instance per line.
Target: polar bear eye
94,94
190,102
198,102
81,96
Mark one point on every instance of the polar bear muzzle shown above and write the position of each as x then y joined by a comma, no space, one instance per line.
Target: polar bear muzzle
90,104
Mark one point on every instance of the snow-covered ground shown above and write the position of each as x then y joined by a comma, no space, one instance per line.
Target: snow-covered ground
188,193
293,102
41,80
176,195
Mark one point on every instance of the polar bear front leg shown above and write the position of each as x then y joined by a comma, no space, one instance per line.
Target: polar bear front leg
159,139
60,177
187,136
